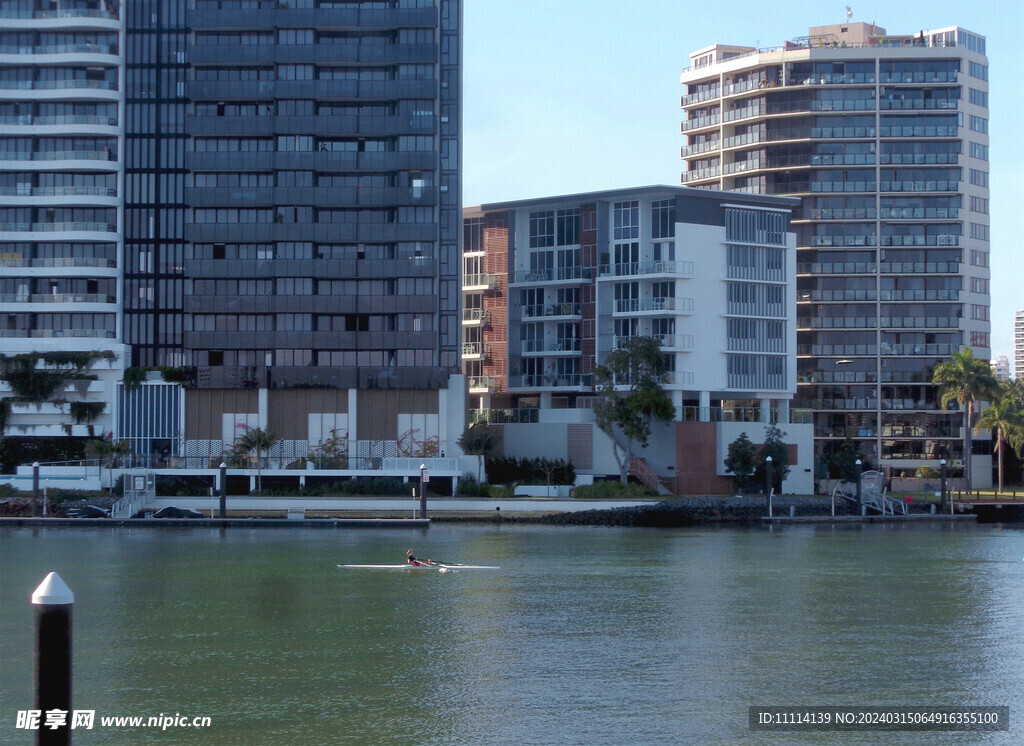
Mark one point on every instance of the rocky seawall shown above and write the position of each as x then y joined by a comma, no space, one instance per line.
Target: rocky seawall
687,511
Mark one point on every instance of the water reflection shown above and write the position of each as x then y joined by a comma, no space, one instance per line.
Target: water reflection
586,635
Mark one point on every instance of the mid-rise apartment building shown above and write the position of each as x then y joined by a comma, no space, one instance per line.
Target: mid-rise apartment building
552,285
1001,368
885,140
276,212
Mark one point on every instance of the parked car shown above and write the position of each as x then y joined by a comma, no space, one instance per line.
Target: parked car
174,512
90,511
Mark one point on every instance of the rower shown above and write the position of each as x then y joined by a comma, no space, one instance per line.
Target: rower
411,559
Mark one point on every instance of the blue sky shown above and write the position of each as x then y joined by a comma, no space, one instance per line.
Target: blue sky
577,95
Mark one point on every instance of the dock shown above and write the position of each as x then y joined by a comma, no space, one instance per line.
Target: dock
857,519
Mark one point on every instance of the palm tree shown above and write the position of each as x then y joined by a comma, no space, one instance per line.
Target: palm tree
966,380
1004,416
259,440
479,439
106,449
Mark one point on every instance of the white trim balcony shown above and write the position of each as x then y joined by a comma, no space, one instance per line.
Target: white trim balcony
633,269
643,305
482,384
482,281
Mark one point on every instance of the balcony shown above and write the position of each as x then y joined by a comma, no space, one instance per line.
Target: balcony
551,381
700,147
638,305
57,298
482,385
473,316
504,416
54,85
667,341
551,309
540,346
697,174
554,274
60,120
62,13
61,49
633,269
700,123
63,191
17,261
483,281
474,350
58,227
50,333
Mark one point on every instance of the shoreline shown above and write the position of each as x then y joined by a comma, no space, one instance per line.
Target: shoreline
678,513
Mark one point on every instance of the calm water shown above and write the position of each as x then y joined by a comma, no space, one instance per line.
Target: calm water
585,636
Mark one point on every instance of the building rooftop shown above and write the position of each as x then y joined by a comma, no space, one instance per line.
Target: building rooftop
682,191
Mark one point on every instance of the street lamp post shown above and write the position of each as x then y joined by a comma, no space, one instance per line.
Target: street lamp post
223,490
859,500
768,484
424,478
942,476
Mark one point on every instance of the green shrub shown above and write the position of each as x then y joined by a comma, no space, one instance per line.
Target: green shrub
612,490
505,470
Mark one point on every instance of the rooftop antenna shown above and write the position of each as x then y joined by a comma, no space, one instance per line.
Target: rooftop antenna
849,13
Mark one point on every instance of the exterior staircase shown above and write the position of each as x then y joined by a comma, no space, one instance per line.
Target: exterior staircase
647,477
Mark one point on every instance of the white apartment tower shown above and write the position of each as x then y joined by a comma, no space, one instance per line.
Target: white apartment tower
61,248
885,140
1018,345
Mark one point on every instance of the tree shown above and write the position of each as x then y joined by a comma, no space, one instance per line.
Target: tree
1005,417
106,449
965,380
741,461
479,439
259,440
842,463
631,397
774,446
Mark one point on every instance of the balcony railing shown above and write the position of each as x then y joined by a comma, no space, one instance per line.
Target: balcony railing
675,341
58,155
56,298
698,148
64,119
47,333
52,85
637,305
552,309
474,349
62,191
701,173
82,261
538,380
629,269
553,274
743,414
482,383
473,315
27,227
485,280
552,345
60,49
62,13
504,416
700,122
